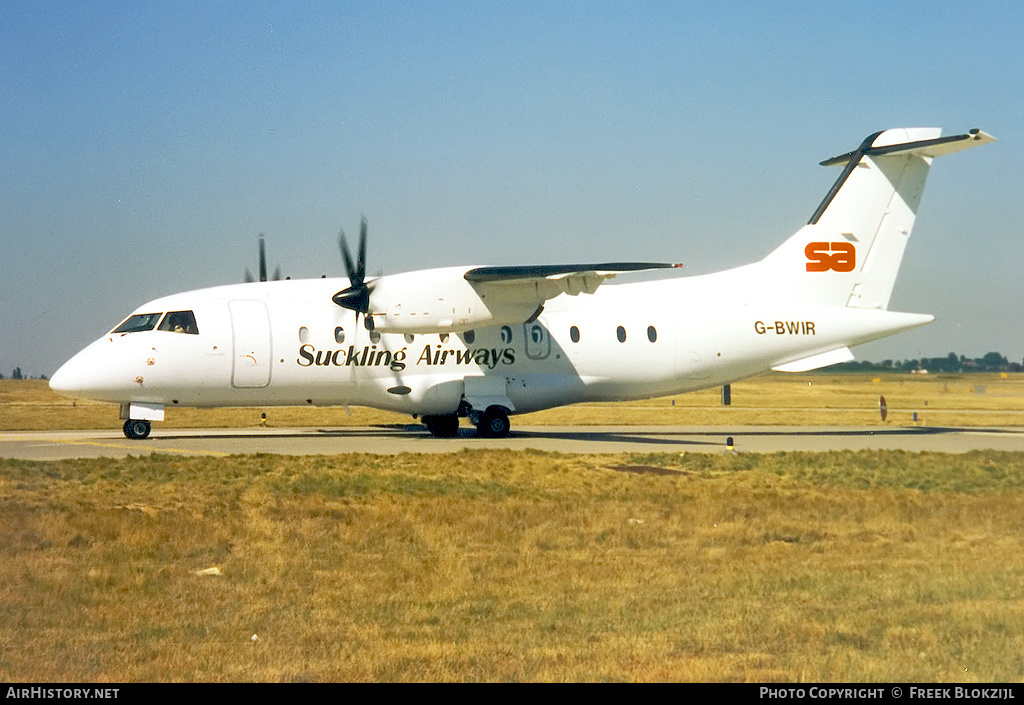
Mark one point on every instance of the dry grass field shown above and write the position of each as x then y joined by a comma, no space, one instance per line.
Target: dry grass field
849,399
504,566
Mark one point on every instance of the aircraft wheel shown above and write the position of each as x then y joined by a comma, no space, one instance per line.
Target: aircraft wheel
137,429
495,423
446,426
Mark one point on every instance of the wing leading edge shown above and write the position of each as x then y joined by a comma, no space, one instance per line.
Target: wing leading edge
550,280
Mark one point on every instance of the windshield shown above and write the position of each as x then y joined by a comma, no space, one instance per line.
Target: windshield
180,322
138,322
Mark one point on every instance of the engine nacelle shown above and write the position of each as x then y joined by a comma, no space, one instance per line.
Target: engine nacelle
442,301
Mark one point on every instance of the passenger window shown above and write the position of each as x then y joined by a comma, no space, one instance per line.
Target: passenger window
574,334
652,334
138,322
180,322
339,335
469,336
620,333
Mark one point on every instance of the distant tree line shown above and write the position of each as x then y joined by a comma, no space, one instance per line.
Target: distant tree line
17,374
989,362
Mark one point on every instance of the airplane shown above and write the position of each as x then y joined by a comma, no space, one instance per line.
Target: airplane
488,342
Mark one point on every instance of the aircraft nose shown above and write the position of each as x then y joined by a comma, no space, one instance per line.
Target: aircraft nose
60,382
71,378
91,374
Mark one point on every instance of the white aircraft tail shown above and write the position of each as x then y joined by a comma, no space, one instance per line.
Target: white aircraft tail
850,251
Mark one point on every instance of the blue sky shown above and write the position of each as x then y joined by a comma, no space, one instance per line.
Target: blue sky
145,145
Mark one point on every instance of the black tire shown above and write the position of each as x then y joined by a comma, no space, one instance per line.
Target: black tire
494,423
137,429
446,426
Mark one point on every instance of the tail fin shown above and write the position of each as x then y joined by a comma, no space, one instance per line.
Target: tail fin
849,252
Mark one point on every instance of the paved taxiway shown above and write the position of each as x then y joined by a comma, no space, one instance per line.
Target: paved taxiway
52,445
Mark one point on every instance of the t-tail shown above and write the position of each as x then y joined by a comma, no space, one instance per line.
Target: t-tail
843,263
850,251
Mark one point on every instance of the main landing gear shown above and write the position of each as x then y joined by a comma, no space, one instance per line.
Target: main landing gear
446,426
491,423
137,429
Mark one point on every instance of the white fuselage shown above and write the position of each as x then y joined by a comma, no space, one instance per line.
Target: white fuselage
286,343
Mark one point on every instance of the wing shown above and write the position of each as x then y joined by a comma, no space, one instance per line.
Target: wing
455,299
538,283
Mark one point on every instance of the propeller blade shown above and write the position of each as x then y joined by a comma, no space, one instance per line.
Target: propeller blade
350,268
249,278
356,297
361,263
263,259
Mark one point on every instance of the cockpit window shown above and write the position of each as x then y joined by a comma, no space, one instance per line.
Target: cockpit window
138,322
180,322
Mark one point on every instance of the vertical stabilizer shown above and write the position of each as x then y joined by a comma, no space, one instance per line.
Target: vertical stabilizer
850,251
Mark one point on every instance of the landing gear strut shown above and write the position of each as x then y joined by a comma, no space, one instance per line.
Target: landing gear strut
137,429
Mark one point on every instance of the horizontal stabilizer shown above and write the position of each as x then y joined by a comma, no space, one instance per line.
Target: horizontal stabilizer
930,148
833,357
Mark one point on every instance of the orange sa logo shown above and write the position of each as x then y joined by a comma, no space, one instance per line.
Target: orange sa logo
830,256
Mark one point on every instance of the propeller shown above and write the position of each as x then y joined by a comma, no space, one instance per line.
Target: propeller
263,265
357,296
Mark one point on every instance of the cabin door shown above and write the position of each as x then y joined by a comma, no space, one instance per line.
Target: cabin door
250,327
